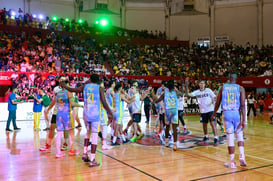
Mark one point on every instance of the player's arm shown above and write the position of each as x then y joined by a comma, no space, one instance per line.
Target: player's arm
213,96
242,106
187,94
161,98
15,102
70,89
123,97
125,93
72,100
178,93
145,94
103,101
218,102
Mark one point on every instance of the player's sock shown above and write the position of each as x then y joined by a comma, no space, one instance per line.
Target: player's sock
114,139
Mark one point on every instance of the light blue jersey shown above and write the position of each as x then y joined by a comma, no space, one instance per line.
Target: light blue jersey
91,97
231,106
63,115
103,115
231,97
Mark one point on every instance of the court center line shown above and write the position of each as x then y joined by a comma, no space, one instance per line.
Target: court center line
213,176
122,162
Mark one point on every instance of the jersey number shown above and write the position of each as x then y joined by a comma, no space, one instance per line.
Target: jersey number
170,102
60,102
231,98
90,98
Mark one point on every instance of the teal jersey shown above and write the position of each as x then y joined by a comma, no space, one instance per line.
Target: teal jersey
231,97
170,100
62,101
91,97
119,106
103,115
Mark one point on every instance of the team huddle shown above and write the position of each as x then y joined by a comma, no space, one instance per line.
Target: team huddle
106,108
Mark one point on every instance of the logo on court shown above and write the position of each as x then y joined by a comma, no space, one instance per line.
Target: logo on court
185,141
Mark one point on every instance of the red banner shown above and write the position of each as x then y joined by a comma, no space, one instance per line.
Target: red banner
5,79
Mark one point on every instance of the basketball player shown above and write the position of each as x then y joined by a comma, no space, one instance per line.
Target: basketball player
206,99
160,110
104,123
181,108
52,128
75,111
136,110
232,97
93,96
109,98
129,106
170,99
45,100
118,104
65,100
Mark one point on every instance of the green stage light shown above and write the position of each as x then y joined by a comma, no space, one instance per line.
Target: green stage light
96,22
103,22
80,21
54,18
66,19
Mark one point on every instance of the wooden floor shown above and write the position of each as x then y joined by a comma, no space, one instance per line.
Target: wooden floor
20,158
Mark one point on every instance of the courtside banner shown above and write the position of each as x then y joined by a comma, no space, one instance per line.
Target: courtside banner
25,112
5,78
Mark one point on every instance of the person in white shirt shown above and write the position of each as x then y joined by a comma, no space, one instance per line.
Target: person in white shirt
206,99
180,109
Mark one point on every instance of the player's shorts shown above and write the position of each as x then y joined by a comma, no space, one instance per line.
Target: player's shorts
162,118
206,117
180,114
94,126
118,119
103,119
232,121
136,117
218,115
171,116
53,119
63,121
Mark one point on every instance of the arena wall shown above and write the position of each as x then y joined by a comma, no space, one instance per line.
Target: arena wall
237,19
267,22
189,27
145,18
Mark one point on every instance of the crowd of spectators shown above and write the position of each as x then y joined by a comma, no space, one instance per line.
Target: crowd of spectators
62,53
55,53
196,61
64,24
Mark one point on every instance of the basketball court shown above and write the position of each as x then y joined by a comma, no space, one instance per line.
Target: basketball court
144,160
